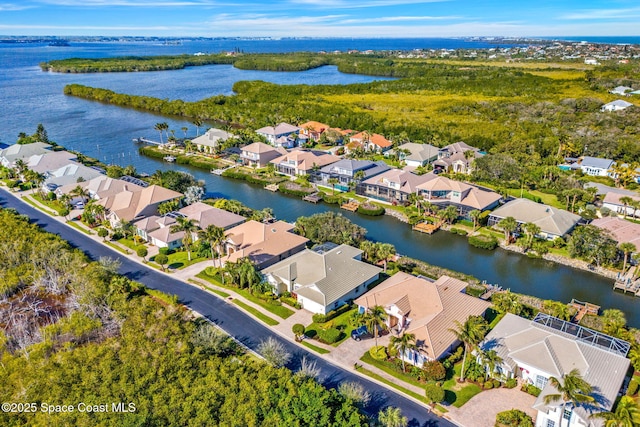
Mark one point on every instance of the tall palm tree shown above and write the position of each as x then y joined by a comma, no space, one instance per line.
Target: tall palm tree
80,192
159,127
375,318
490,359
449,214
508,225
613,321
470,333
197,123
392,417
215,236
572,389
184,130
626,201
189,226
626,248
415,199
626,414
247,274
384,251
531,230
475,217
403,343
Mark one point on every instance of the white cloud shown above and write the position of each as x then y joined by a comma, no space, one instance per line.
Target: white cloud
10,7
600,14
131,3
356,4
400,19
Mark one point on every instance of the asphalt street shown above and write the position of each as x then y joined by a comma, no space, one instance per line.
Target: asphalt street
227,316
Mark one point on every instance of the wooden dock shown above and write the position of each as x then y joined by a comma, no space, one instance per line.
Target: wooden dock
426,227
313,198
583,308
628,285
271,187
143,140
351,205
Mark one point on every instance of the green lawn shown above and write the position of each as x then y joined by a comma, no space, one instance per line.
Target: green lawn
315,348
547,199
51,204
278,310
130,244
340,322
180,260
266,319
117,247
392,384
391,369
79,228
29,200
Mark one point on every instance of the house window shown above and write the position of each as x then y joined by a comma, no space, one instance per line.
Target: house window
541,381
551,423
567,414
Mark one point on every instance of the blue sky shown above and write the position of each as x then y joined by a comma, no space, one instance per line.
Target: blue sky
321,18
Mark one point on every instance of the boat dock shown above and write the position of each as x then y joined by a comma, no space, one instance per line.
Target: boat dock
627,284
426,227
583,308
220,171
351,205
313,198
271,187
143,140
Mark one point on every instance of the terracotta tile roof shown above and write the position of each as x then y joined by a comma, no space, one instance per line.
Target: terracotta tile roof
207,215
313,126
129,204
258,148
614,198
306,159
620,229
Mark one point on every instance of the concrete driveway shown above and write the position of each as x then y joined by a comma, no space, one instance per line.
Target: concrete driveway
482,409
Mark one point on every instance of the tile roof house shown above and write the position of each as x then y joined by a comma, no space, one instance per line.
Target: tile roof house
419,154
206,215
209,141
100,187
71,173
157,231
50,160
259,154
302,162
425,308
273,133
264,244
345,171
323,280
368,142
620,230
553,222
617,105
313,130
393,186
9,155
545,347
134,204
612,201
595,166
443,192
455,157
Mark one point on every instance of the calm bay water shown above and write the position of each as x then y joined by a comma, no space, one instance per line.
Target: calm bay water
28,97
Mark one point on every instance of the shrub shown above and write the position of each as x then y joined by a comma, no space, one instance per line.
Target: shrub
330,335
355,392
633,387
323,318
290,301
434,393
274,352
531,389
511,383
434,371
371,210
514,418
378,353
298,330
165,251
488,385
496,383
456,356
103,232
142,252
483,242
319,318
459,231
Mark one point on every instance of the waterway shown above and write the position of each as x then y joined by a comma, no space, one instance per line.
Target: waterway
28,97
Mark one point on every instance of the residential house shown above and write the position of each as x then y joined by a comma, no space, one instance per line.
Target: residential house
102,186
209,141
622,231
260,154
323,279
72,173
393,186
621,90
428,309
553,222
133,204
617,105
273,133
264,244
346,171
369,142
419,154
595,166
443,192
457,157
205,215
51,160
313,130
157,230
9,155
612,201
536,350
303,162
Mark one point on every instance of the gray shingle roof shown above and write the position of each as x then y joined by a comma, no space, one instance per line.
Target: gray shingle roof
596,162
550,220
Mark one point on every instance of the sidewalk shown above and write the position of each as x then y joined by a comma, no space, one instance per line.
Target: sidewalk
346,355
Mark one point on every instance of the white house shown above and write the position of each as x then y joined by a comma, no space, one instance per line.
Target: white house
595,166
621,90
211,139
273,133
612,201
617,105
323,279
536,350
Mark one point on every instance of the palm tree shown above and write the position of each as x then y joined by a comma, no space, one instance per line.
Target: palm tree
470,333
184,130
626,248
215,237
490,359
369,249
626,201
247,275
333,182
403,343
414,198
197,123
572,389
613,321
375,318
449,214
189,226
626,414
475,217
508,225
635,205
392,417
531,230
80,192
159,127
384,251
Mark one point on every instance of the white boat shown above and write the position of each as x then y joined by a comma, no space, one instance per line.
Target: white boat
169,158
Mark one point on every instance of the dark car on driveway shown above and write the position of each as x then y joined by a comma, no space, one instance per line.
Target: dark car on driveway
360,333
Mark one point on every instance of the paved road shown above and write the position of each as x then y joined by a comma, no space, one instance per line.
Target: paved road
227,316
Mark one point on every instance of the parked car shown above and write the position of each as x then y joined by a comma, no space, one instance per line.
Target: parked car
360,333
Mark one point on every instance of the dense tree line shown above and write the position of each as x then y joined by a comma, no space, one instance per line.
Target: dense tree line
74,331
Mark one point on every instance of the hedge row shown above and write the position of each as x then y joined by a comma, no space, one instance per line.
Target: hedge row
323,318
483,242
300,193
371,210
230,173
